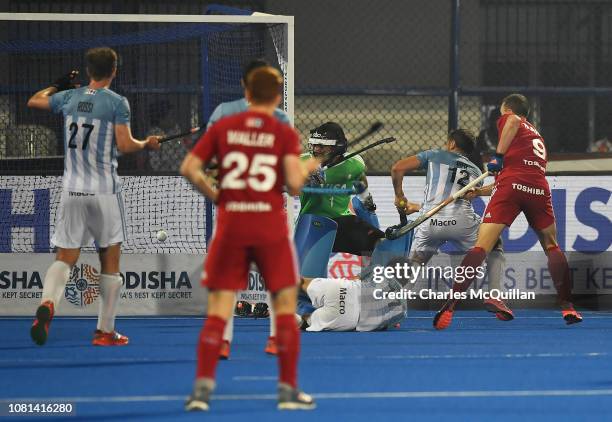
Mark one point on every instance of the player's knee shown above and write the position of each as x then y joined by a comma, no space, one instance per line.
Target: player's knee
68,256
285,301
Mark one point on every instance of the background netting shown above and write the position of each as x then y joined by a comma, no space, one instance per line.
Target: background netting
173,74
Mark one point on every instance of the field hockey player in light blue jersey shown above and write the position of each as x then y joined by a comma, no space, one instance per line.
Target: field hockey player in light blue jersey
96,126
448,171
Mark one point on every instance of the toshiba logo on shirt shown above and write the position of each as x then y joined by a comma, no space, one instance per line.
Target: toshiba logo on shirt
250,139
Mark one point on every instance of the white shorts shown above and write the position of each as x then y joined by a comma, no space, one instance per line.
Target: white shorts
460,229
337,304
83,218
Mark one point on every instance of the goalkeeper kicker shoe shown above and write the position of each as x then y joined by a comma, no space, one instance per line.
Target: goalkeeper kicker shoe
290,398
40,328
570,315
109,339
200,398
499,308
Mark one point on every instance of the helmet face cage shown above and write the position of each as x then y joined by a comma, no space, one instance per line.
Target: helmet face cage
330,134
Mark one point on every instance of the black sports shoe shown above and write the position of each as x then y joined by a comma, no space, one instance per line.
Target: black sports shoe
40,328
199,399
243,309
261,310
290,398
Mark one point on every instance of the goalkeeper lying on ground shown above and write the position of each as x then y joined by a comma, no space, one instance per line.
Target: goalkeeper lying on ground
347,305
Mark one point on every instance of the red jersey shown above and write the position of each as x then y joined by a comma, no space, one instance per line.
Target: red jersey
526,156
250,148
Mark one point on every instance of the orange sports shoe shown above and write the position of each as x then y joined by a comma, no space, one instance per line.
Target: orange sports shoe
40,328
109,339
570,315
225,350
271,348
499,308
444,317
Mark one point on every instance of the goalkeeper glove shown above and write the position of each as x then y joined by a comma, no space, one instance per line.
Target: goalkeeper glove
496,163
369,204
66,81
316,178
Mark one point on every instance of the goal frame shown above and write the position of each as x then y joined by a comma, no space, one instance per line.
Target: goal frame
255,18
261,18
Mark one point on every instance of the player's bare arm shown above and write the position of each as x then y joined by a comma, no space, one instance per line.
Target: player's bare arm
40,100
481,191
297,171
398,170
126,143
508,133
192,168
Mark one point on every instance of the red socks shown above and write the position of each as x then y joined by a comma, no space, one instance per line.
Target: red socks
209,345
287,338
474,258
288,341
560,273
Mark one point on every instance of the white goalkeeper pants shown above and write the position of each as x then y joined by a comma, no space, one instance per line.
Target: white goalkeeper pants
336,302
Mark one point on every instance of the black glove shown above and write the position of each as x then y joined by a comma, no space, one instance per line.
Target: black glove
369,204
66,81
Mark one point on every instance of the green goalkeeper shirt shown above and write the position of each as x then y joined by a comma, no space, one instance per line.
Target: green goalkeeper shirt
341,176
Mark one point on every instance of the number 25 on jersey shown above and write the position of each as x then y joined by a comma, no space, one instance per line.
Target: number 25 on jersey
258,175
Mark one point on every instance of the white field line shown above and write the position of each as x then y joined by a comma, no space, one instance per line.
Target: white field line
327,396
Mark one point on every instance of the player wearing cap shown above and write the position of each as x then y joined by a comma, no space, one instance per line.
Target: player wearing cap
96,126
258,155
448,171
520,186
355,235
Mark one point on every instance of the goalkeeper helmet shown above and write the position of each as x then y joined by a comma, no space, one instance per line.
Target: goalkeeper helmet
330,134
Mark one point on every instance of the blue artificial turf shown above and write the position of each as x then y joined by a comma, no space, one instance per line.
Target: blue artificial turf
531,369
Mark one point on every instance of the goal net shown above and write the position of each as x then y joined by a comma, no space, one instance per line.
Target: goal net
174,70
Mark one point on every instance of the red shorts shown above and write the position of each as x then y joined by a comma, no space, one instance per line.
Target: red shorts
227,265
511,197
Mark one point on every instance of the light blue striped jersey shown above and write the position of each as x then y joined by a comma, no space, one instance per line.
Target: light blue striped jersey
240,106
90,116
447,172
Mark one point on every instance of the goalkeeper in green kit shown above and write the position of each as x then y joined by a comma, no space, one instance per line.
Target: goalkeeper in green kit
356,233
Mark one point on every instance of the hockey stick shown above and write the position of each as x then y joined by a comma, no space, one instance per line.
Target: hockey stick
394,234
346,156
179,135
376,126
357,188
